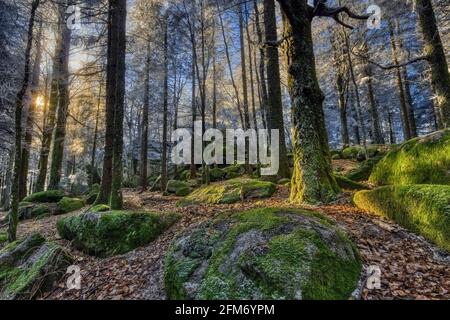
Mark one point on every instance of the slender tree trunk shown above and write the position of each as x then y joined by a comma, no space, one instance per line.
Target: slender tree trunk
194,107
94,143
410,103
340,87
145,129
313,180
164,177
116,199
440,76
13,215
34,93
59,131
276,114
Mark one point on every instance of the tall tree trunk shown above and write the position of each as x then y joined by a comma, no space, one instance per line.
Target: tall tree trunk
94,142
119,24
340,87
440,76
34,93
243,70
145,129
194,107
410,103
164,176
401,90
276,114
262,65
313,180
59,131
13,215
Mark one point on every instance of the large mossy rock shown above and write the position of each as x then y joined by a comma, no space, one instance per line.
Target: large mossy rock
31,267
423,160
179,188
39,209
217,174
67,205
234,171
263,254
230,191
105,234
364,170
359,153
51,196
347,184
423,209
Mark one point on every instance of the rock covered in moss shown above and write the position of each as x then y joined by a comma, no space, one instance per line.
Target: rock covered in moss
31,267
364,170
424,160
91,197
3,237
179,188
100,208
263,254
217,174
51,196
231,191
347,184
423,209
234,171
106,234
36,210
67,205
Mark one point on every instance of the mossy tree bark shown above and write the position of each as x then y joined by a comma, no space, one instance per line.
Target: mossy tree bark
276,114
59,131
313,180
13,215
440,77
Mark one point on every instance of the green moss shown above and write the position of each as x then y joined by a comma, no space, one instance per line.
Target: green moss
424,209
100,208
230,191
347,184
67,205
185,175
3,237
179,188
284,182
234,171
359,153
93,194
423,160
131,182
40,211
217,174
112,233
51,196
364,170
295,261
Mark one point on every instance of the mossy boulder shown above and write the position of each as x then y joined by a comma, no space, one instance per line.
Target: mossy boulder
423,160
67,205
3,237
364,170
91,197
230,191
217,174
107,234
31,267
263,254
234,171
179,188
423,209
100,208
36,210
51,196
359,153
347,184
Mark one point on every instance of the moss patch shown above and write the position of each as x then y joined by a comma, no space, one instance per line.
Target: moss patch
423,160
112,233
347,184
3,237
263,254
91,197
100,208
364,170
67,205
424,209
30,267
230,191
234,171
179,188
51,196
217,174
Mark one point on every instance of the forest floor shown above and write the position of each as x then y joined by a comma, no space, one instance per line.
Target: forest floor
411,267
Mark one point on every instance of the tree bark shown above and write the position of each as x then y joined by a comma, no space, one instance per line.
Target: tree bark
13,215
164,176
145,129
313,180
440,76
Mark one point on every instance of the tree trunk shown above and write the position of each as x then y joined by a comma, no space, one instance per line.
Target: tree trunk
340,87
410,103
93,172
164,177
194,107
119,24
13,215
145,129
440,76
275,106
313,180
34,93
59,131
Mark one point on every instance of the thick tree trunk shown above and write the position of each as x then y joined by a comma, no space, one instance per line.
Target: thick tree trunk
145,129
13,215
276,114
440,76
59,131
313,180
